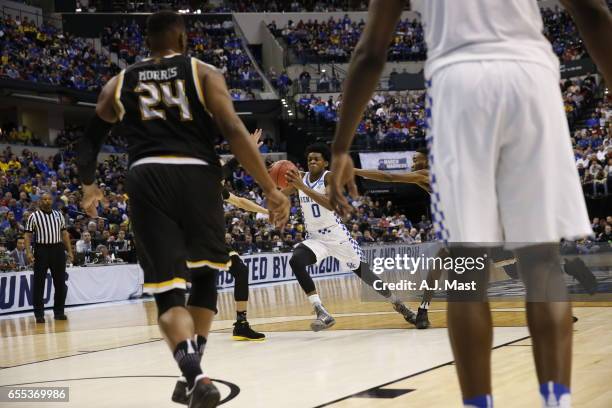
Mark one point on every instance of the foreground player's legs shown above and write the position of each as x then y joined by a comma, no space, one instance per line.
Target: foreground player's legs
242,329
365,274
471,332
549,317
302,257
178,328
201,307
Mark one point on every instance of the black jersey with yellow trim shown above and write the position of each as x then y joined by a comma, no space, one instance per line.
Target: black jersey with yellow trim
160,103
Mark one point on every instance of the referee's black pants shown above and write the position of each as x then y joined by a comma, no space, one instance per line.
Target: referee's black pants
49,256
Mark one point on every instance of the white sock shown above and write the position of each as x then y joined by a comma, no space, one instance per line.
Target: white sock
315,300
424,305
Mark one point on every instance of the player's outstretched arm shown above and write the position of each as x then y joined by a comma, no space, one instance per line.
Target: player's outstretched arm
295,179
89,146
219,104
420,178
245,204
594,22
364,71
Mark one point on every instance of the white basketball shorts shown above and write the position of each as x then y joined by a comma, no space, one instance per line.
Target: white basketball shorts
502,166
335,241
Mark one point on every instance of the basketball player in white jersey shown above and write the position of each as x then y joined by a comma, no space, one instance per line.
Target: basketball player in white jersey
501,162
501,259
327,236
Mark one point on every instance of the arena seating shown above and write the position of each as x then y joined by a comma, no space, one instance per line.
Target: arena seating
44,54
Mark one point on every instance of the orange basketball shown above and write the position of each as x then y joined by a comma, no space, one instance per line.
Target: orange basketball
278,170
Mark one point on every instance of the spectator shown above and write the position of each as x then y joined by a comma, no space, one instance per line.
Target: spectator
84,245
19,254
305,81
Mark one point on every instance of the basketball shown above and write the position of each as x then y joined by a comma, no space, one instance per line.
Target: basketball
278,170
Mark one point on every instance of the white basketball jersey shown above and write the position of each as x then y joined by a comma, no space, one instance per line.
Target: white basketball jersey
316,217
472,30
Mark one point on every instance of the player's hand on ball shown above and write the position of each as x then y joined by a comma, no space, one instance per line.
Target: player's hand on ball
278,208
342,179
293,177
91,199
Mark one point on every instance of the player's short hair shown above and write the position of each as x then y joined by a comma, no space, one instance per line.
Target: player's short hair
319,147
423,150
162,22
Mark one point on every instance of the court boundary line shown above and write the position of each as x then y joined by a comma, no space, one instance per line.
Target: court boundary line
82,354
326,404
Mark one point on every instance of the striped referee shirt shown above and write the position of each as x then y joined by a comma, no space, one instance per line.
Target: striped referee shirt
48,227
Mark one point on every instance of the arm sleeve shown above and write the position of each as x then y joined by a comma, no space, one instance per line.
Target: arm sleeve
229,167
225,193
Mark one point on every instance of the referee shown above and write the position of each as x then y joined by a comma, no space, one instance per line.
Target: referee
50,229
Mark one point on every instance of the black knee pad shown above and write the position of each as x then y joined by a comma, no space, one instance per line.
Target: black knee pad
301,258
469,279
203,288
169,299
240,272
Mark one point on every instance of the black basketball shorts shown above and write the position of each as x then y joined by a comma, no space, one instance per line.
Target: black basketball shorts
178,221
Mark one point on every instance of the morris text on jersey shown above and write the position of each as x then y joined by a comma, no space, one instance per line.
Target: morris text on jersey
158,75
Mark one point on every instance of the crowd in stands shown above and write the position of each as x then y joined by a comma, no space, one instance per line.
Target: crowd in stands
215,43
392,120
334,40
24,178
563,35
43,54
13,134
250,6
593,151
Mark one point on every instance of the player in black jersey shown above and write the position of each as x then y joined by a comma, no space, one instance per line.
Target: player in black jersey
169,106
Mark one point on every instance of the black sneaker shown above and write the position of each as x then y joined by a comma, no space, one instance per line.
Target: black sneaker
577,269
204,394
422,320
180,392
243,332
574,319
40,319
60,317
406,313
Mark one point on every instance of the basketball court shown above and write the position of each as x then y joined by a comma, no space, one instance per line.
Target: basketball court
112,355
